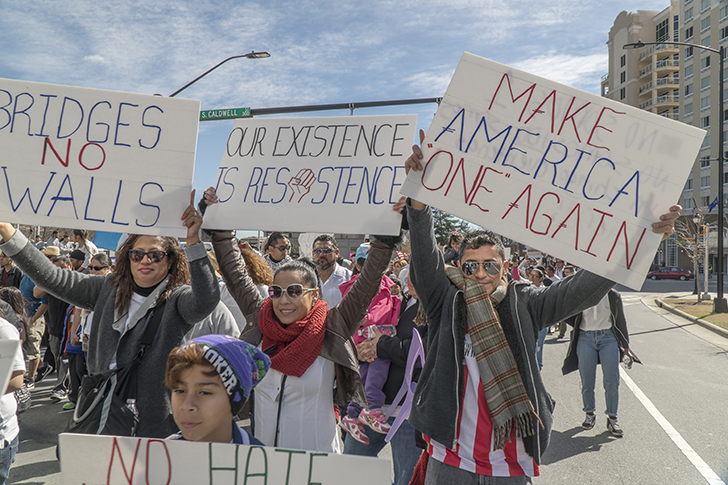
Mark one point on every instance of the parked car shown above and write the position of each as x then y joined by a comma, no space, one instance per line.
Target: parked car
671,273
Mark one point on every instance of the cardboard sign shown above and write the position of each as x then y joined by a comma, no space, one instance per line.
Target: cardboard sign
8,349
339,174
93,159
91,459
573,174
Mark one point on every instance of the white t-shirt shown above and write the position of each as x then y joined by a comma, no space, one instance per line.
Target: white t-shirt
307,414
598,317
330,291
8,406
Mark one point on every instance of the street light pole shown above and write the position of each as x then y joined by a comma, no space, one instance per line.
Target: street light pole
251,55
720,305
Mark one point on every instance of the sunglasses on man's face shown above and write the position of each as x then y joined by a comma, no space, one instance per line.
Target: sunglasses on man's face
137,255
471,267
97,268
293,291
282,249
319,251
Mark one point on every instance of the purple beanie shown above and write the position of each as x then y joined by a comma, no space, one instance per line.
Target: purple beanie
240,365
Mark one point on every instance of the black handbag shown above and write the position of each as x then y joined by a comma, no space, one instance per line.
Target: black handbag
106,400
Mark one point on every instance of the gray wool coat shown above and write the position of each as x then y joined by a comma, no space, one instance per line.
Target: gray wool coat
185,306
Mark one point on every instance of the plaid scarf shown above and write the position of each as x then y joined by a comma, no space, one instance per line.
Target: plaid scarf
504,390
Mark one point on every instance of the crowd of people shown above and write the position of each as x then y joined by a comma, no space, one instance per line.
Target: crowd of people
314,350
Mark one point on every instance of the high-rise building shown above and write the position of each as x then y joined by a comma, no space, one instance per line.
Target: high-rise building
648,78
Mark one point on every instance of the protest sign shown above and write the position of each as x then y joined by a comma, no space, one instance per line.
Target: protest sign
92,459
336,174
573,174
8,348
93,159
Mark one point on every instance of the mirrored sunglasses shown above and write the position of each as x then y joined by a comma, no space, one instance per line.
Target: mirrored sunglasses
318,251
136,255
293,291
491,267
282,248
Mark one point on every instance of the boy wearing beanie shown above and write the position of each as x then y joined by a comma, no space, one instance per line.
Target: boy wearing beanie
211,378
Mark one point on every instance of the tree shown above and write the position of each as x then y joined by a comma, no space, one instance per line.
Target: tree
446,223
686,236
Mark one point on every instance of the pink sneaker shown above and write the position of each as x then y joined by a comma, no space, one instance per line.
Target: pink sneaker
356,430
374,418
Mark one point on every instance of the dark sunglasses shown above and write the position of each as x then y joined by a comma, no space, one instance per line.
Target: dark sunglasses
293,291
318,251
98,268
282,248
490,267
136,255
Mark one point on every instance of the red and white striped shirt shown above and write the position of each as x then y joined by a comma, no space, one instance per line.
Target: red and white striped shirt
474,451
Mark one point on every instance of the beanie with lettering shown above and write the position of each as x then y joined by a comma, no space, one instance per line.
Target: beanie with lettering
240,365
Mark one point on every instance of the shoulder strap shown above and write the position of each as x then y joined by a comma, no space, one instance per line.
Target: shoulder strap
149,332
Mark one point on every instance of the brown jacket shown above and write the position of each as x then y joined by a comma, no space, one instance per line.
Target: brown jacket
342,321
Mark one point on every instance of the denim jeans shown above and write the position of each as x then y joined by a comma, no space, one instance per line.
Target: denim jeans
438,473
600,346
405,453
539,346
7,458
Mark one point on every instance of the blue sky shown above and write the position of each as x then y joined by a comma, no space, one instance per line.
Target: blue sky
321,51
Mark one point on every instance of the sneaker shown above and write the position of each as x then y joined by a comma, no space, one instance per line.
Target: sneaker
356,430
69,405
589,421
29,385
614,427
374,418
43,373
58,395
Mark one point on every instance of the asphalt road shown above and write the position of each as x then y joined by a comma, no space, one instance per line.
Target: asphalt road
681,415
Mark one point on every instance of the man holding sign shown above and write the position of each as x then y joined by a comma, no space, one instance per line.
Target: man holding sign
480,401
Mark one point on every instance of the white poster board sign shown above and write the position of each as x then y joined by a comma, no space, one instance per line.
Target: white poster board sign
91,459
93,159
335,174
8,349
573,174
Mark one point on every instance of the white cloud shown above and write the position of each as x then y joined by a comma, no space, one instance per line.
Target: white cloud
580,71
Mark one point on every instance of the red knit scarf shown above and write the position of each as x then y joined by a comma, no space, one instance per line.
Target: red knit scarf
296,345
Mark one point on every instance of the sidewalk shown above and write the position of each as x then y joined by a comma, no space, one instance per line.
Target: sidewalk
35,462
664,302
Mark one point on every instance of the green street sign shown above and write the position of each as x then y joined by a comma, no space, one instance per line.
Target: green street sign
224,114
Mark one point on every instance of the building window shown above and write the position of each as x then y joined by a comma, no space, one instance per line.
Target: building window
704,83
688,52
704,24
705,201
661,30
706,142
688,33
689,184
688,71
622,77
705,42
705,122
688,203
704,5
675,28
622,93
689,14
723,12
704,162
704,103
689,89
704,63
623,60
689,109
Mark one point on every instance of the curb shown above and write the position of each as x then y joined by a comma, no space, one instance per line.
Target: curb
710,326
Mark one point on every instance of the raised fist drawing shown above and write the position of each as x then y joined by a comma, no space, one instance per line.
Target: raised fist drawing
301,183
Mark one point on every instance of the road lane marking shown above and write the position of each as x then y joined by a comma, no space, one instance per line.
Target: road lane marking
688,451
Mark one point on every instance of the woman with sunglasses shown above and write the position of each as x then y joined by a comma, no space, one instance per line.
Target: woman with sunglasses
309,344
151,275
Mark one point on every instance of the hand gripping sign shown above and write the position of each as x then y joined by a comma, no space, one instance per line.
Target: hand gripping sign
93,159
336,174
575,175
113,460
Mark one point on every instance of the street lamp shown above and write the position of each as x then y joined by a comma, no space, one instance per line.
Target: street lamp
251,55
720,305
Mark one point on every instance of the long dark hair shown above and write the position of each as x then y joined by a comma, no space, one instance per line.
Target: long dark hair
14,298
179,273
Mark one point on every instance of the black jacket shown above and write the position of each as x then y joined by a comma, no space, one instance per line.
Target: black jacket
14,276
619,327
